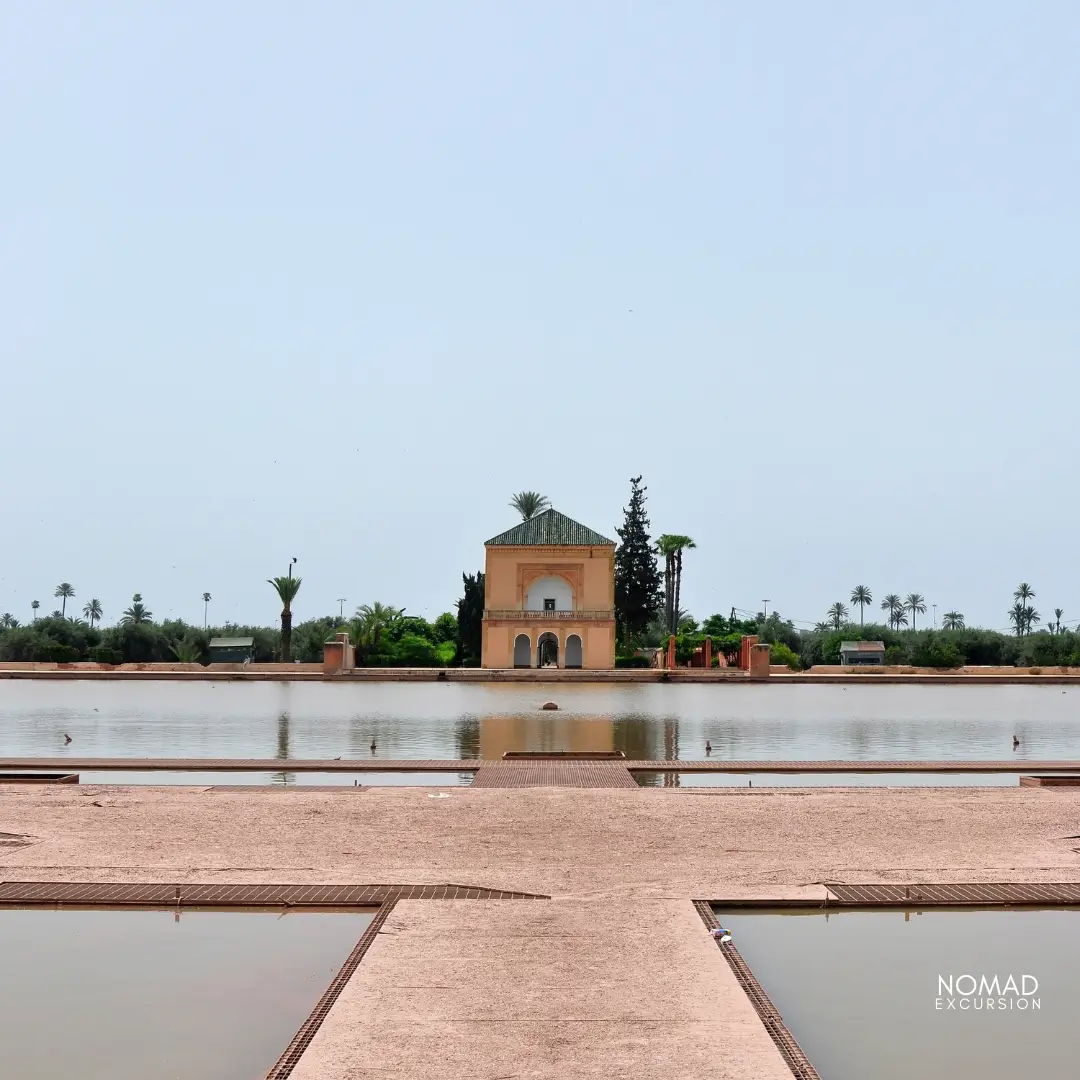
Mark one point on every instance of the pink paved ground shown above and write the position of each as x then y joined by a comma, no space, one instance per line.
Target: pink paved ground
615,976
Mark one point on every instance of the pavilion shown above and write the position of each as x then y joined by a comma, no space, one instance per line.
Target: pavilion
549,596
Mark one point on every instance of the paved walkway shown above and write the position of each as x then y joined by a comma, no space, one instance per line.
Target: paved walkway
549,991
614,976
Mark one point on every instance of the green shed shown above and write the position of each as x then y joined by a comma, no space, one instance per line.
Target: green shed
232,650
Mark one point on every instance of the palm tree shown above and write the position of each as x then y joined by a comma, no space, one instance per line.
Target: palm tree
861,595
899,617
916,604
837,613
65,592
186,650
1018,618
206,598
1058,612
822,628
671,546
952,620
8,621
287,587
1031,617
92,611
35,604
1024,592
530,503
372,620
891,604
137,613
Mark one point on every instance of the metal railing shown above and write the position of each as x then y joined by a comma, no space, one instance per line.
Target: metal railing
594,613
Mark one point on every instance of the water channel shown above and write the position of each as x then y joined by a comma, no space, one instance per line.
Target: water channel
462,720
156,995
860,990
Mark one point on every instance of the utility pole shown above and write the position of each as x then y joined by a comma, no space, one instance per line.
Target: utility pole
766,603
934,606
341,607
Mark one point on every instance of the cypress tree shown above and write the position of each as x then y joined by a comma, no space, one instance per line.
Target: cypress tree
637,580
470,617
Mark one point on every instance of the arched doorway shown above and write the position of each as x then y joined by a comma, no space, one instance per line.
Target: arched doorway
573,651
522,651
547,650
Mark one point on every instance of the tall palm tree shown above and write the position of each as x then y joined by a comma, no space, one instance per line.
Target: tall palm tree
8,621
1024,592
1018,618
685,543
952,620
93,612
890,604
671,546
65,592
286,587
35,604
1031,617
861,595
916,604
899,616
530,503
1058,612
137,613
206,598
837,613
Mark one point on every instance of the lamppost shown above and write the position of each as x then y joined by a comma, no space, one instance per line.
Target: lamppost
341,606
934,606
766,603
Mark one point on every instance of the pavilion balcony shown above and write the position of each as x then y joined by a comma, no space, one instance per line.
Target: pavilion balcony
529,615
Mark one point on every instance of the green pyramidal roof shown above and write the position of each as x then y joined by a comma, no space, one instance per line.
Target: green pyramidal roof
549,529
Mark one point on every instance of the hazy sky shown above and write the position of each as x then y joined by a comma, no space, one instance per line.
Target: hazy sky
334,280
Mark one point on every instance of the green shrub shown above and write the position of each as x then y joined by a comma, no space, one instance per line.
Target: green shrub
103,654
632,662
779,653
934,652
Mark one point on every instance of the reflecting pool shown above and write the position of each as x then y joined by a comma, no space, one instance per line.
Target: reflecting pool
467,720
156,995
879,993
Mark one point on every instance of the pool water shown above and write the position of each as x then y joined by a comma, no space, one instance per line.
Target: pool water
468,720
860,991
161,995
829,779
275,779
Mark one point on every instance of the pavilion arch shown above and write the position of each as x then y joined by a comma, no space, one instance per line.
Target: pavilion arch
547,650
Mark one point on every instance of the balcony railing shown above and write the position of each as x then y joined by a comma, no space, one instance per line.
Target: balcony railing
584,615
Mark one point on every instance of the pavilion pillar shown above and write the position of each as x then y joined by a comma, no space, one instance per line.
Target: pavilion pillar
670,653
708,652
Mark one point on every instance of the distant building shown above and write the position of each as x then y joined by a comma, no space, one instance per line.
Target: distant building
231,650
549,596
862,653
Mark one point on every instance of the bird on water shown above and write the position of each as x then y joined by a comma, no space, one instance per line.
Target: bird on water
708,747
373,746
67,738
1016,742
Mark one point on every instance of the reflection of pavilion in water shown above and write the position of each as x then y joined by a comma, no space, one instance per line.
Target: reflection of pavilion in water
546,731
638,737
